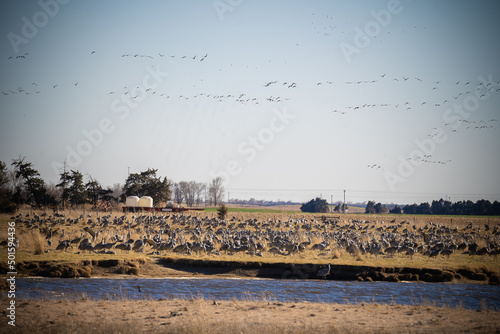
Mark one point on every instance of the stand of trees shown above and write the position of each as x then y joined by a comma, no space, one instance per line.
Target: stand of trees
371,207
22,184
191,193
315,205
481,207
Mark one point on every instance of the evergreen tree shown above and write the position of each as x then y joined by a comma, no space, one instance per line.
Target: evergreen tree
370,207
93,190
222,211
424,209
338,207
148,184
31,180
482,207
410,209
76,191
396,210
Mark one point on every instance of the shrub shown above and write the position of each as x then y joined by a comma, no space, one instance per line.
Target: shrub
222,211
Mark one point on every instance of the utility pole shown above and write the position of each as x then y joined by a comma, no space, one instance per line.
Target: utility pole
331,203
228,197
343,207
128,171
64,182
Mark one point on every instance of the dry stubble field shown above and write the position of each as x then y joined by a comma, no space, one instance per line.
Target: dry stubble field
32,239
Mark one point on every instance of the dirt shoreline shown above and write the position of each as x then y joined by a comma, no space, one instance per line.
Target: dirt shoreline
175,267
235,316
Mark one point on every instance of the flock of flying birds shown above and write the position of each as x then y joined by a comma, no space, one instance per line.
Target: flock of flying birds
241,98
163,55
424,159
410,105
464,87
327,26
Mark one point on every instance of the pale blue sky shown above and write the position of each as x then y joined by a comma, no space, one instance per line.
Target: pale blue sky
430,53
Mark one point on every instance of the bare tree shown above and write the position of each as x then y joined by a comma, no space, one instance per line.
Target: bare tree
184,188
206,195
200,192
177,194
191,196
216,191
117,191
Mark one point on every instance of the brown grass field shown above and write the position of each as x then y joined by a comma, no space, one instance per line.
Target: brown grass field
34,247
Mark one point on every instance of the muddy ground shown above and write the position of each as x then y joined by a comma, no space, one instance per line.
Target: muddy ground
234,316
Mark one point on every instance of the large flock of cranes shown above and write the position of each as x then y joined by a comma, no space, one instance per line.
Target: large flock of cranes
188,234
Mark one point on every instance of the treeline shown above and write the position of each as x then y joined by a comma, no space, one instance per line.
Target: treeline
481,207
22,184
253,201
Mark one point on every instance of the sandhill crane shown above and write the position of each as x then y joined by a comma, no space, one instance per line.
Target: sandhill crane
138,245
100,245
410,252
447,252
63,245
86,246
324,272
77,240
125,247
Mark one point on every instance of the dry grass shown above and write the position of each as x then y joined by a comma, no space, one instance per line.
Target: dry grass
32,242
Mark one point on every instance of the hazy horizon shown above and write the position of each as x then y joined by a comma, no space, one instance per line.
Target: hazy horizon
392,101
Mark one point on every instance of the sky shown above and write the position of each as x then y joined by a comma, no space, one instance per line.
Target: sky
392,101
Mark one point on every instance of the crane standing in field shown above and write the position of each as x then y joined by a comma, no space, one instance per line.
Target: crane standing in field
324,272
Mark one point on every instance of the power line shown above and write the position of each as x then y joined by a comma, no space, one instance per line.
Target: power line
362,192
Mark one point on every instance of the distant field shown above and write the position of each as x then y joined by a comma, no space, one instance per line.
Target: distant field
253,210
278,209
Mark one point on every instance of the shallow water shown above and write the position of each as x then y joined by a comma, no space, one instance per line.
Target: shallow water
471,296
